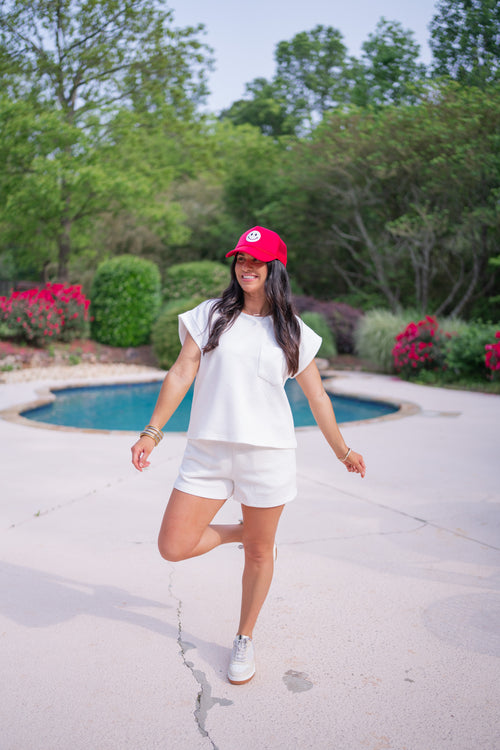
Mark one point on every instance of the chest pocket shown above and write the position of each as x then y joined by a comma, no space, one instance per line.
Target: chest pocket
271,364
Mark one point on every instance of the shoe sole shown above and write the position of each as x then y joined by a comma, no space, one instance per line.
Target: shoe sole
241,682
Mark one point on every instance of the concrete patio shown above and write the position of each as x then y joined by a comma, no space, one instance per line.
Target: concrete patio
381,630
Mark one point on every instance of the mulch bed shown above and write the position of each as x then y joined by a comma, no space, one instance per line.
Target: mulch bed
14,356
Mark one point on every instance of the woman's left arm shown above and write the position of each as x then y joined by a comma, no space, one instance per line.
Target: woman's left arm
322,409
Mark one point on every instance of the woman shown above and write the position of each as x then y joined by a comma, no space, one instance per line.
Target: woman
241,442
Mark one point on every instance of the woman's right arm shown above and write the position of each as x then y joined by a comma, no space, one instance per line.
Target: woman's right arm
177,382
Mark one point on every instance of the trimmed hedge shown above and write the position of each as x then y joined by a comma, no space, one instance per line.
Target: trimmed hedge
319,324
125,298
165,333
203,278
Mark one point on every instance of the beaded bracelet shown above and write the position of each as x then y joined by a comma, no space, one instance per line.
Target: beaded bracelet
346,456
152,432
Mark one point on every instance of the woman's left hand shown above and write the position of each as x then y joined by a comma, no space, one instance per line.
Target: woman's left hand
355,464
322,409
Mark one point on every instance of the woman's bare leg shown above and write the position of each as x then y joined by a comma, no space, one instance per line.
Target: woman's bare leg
186,531
259,531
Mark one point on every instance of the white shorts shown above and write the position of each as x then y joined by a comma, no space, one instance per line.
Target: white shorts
252,475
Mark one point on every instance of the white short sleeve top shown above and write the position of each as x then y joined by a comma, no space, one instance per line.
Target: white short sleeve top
239,393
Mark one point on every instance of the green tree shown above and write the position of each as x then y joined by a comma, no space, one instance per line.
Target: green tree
312,72
64,189
90,54
85,60
250,169
389,71
26,140
314,75
398,204
465,40
265,107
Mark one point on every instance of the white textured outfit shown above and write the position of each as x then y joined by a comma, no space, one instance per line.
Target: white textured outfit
239,399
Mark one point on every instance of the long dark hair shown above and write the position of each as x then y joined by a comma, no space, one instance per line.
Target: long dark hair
279,298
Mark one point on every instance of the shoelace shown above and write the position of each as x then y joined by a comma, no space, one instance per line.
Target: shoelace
240,649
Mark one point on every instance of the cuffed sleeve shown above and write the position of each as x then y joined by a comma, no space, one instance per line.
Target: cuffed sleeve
195,322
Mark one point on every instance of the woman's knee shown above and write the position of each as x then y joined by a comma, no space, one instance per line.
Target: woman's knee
258,553
173,548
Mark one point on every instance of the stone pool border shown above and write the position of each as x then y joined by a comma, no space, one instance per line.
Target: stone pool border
46,394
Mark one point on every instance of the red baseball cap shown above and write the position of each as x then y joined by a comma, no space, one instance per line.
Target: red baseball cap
261,243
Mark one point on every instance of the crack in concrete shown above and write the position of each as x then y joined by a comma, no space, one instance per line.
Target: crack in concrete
204,699
48,511
422,521
89,493
357,536
65,504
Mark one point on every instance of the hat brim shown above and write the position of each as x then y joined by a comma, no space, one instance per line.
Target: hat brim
253,251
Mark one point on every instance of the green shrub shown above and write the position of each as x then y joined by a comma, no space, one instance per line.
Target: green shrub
6,332
376,332
319,324
203,278
465,352
165,333
125,298
453,326
375,336
342,319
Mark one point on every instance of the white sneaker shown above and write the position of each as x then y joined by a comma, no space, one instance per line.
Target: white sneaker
242,665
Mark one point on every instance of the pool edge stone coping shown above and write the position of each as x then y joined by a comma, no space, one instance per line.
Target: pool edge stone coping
46,395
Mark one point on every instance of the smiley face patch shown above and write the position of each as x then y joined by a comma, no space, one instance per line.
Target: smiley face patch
253,236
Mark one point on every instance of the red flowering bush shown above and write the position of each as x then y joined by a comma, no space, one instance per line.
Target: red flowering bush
40,316
492,357
421,346
74,308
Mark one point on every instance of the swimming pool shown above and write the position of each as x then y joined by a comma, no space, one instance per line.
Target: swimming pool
129,406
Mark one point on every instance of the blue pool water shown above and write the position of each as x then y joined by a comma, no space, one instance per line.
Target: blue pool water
129,407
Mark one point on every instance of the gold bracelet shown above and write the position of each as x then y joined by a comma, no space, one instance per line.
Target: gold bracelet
153,432
346,456
155,429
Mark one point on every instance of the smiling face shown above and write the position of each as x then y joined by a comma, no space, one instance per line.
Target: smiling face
251,274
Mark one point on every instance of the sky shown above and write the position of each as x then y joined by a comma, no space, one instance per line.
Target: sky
244,35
